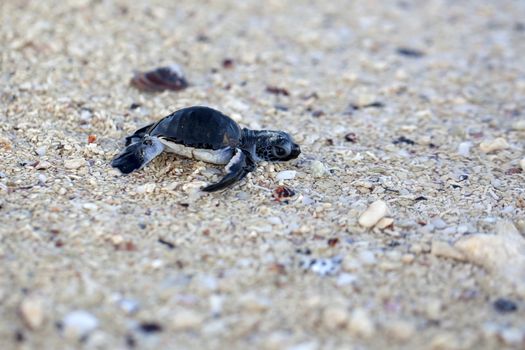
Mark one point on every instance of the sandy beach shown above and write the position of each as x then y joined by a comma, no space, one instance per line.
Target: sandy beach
406,225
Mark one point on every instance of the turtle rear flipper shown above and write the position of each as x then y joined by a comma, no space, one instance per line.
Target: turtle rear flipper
238,167
138,135
137,155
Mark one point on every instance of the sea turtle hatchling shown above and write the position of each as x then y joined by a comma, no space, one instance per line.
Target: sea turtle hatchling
206,134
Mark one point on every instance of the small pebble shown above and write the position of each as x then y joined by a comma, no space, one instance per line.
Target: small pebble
129,306
216,304
416,248
345,279
444,341
146,188
32,312
41,151
367,258
242,195
522,164
464,149
318,169
274,220
384,223
78,324
408,258
512,336
335,317
438,223
433,309
400,330
85,115
285,175
308,345
186,319
324,267
254,303
445,250
74,163
505,305
90,206
42,179
493,145
361,324
373,214
519,125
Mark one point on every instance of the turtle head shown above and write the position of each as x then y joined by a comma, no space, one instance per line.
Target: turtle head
275,146
138,154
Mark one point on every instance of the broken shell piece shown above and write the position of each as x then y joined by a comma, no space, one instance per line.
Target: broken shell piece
43,165
318,169
519,125
494,145
522,164
74,163
375,212
502,254
160,79
31,310
285,175
283,192
464,149
384,223
445,250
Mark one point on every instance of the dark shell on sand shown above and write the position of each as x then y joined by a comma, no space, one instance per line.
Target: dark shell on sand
160,79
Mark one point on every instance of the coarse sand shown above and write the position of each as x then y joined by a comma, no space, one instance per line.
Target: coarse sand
405,227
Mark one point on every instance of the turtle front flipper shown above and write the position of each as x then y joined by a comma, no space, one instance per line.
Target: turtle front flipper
238,167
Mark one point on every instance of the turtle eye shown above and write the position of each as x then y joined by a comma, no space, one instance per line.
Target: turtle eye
280,152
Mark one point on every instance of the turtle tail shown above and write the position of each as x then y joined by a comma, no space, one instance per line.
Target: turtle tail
137,155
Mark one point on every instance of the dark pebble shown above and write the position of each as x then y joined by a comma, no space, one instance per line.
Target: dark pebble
332,242
166,243
505,305
228,63
513,171
130,341
19,336
351,137
393,244
463,177
376,104
150,327
403,139
408,52
318,113
277,90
